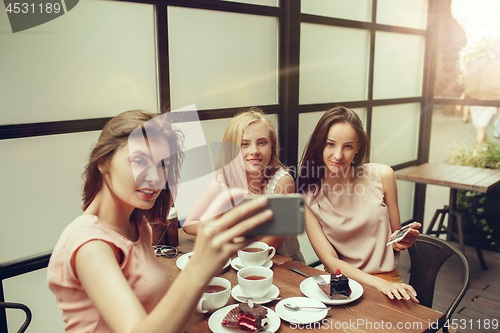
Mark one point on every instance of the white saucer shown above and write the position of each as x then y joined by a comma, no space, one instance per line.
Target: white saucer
215,320
304,316
237,261
310,288
184,259
273,292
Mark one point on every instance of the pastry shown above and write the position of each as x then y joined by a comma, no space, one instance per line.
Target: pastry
338,287
246,317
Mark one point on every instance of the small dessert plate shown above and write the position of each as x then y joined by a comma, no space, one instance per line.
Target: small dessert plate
184,259
304,316
215,320
237,262
273,292
310,288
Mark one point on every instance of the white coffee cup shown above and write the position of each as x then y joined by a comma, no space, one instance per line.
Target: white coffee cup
213,300
256,254
260,282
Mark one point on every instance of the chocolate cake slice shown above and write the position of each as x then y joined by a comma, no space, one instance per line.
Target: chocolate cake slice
338,288
246,317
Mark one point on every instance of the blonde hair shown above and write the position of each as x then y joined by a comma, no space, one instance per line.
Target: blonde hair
234,136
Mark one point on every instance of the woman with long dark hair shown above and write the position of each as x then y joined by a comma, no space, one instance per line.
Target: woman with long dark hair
352,205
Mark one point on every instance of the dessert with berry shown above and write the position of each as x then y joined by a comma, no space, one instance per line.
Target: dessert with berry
338,288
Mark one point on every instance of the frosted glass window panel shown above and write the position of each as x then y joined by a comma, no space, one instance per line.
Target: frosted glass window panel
41,190
306,249
333,64
222,60
356,10
308,121
214,129
407,13
31,289
97,60
406,193
399,65
394,134
271,3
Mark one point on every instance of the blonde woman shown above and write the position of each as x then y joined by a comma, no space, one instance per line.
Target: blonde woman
259,171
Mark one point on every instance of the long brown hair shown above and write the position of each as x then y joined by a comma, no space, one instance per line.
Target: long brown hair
312,168
114,136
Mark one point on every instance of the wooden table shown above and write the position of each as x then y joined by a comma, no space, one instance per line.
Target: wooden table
373,312
455,177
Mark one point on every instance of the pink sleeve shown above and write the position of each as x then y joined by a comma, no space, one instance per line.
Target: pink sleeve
213,189
81,231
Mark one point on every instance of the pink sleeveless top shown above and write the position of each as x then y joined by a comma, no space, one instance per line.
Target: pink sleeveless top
145,274
355,219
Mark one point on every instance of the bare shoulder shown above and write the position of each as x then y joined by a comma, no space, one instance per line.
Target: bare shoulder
386,171
285,185
286,179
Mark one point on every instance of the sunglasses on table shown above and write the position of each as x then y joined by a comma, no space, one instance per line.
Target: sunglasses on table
167,251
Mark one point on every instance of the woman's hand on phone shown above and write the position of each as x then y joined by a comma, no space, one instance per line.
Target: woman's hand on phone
409,238
221,236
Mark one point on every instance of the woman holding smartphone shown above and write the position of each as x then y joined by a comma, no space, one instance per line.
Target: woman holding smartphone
352,205
103,270
251,137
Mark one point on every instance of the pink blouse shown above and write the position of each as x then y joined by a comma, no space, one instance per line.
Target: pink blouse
147,277
355,219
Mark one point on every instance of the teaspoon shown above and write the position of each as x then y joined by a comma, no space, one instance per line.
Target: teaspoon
293,307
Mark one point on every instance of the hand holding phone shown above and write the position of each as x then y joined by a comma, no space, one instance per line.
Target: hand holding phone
400,235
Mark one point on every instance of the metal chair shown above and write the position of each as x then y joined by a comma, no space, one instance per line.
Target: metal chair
27,321
427,256
457,229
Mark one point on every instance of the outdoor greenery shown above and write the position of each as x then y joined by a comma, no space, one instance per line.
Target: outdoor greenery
483,209
487,48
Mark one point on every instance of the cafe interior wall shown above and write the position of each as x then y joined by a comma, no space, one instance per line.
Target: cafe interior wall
101,59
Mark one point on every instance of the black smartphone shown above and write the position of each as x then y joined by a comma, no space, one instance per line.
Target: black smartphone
288,215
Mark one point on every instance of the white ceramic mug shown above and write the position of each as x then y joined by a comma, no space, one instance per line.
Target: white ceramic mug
260,282
211,301
259,255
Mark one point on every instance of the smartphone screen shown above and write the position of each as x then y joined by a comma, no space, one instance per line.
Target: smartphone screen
288,216
400,235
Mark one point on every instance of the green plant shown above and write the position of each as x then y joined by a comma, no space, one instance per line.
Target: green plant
483,209
488,156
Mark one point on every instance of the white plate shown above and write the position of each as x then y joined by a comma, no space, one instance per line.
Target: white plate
273,292
237,261
310,288
184,259
215,320
304,316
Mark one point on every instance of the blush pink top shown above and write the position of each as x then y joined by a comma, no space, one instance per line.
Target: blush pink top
355,219
147,277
